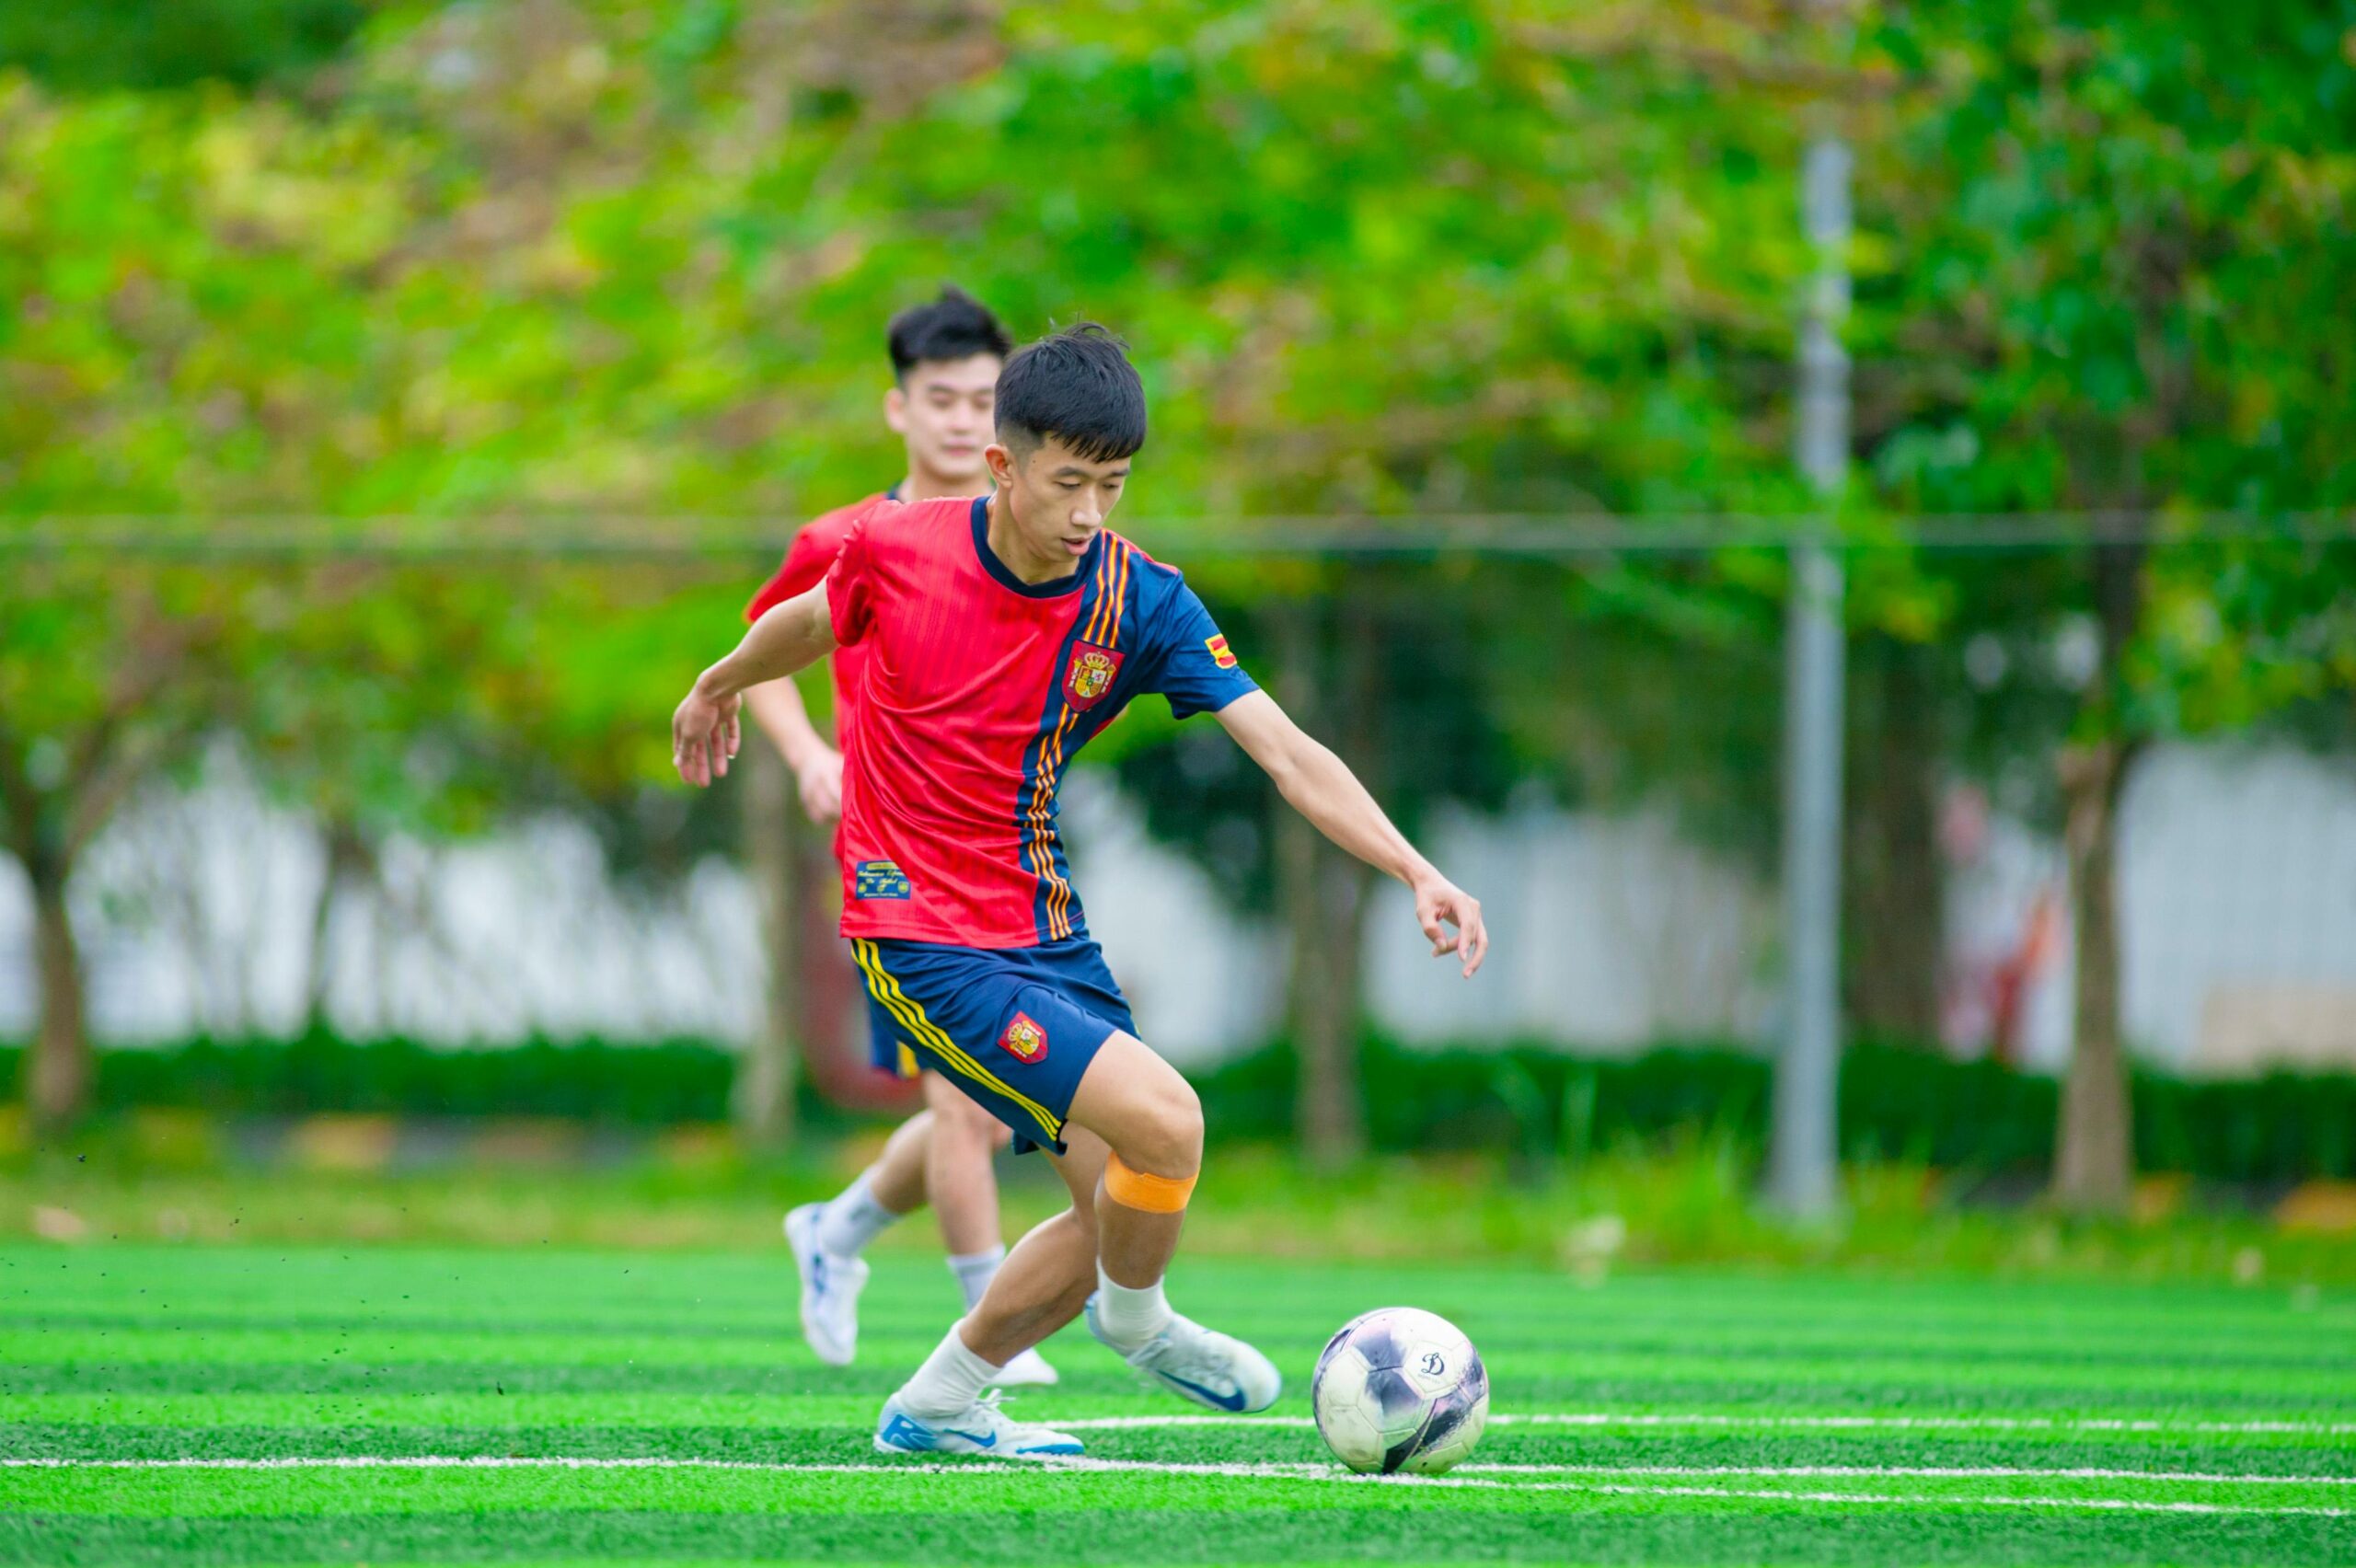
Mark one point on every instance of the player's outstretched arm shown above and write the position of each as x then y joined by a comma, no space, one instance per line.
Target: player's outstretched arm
1320,787
705,727
778,708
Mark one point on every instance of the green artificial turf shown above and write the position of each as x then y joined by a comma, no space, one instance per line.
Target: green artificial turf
1715,1419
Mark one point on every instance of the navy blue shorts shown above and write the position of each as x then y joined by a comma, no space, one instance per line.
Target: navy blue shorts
1013,1027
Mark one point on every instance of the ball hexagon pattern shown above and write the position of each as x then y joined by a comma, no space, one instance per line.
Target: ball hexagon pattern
1400,1389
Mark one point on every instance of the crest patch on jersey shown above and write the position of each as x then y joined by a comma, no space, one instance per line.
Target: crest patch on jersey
1090,674
1024,1039
879,879
1221,655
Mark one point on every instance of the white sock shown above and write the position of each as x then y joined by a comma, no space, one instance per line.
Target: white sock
973,1271
852,1220
950,1378
1129,1318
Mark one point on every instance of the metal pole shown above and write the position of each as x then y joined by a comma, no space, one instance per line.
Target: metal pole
1803,1177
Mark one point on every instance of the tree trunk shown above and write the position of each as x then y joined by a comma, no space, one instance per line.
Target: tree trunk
2094,1146
763,1099
58,1072
1897,893
1324,911
1322,894
348,860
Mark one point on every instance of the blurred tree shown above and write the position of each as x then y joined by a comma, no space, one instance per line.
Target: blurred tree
612,258
172,43
2110,249
103,682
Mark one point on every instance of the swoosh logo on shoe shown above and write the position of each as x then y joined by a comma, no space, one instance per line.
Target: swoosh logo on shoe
989,1441
902,1433
1233,1402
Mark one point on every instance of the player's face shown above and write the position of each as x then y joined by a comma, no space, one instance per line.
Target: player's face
1061,500
943,411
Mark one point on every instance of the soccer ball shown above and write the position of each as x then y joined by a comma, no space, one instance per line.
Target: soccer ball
1400,1389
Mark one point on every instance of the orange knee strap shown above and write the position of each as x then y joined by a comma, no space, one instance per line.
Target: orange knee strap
1138,1190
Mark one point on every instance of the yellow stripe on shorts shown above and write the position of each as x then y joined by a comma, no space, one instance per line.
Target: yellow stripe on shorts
886,990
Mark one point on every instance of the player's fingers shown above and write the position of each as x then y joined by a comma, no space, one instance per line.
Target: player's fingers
1476,938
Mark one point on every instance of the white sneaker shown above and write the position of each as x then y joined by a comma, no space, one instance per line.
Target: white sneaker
1205,1366
983,1429
830,1287
1028,1370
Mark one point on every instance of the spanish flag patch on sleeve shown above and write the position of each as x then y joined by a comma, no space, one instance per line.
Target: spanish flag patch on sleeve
1221,655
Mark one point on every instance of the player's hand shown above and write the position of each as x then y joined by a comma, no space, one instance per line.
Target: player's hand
704,732
820,779
1440,904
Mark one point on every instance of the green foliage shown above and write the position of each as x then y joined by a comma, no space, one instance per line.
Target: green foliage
149,44
631,257
2100,251
1531,1103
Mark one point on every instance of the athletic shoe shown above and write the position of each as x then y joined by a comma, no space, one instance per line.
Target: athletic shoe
983,1429
1208,1367
1028,1370
830,1287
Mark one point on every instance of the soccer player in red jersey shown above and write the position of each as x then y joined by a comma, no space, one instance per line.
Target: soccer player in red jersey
945,358
995,650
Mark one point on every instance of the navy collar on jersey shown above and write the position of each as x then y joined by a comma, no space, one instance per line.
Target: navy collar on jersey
1054,587
892,494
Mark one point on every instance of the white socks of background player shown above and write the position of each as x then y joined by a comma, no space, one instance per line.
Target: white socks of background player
852,1220
974,1271
1128,1318
951,1378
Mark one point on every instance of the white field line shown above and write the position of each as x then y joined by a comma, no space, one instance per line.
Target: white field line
1313,1473
1912,1472
2064,1424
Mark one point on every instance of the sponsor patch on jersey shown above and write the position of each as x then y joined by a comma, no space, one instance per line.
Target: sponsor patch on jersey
1221,655
879,879
1090,674
1024,1039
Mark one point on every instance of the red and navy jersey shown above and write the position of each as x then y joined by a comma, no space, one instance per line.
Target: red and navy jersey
980,689
806,559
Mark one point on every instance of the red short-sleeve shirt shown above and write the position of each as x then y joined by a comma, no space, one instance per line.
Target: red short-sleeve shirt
807,558
979,689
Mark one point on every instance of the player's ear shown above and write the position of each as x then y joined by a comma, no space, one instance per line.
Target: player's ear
1001,462
895,411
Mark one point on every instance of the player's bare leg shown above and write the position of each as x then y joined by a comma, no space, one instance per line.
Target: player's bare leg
1107,1253
963,1185
1149,1115
1047,1278
1043,1285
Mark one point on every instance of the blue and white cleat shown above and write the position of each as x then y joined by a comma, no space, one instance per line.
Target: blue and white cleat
1210,1368
830,1287
984,1430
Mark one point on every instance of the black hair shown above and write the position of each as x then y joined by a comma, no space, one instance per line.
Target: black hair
955,327
1077,386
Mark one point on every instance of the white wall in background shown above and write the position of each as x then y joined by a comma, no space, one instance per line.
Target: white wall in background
2237,888
1610,932
2238,883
